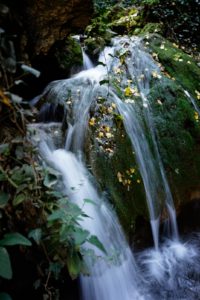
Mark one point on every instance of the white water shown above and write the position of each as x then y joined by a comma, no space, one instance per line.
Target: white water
87,63
170,271
84,88
118,276
193,101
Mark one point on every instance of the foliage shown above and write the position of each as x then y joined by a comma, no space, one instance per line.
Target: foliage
181,19
30,206
9,239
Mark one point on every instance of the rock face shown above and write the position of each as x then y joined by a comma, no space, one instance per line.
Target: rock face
50,21
36,33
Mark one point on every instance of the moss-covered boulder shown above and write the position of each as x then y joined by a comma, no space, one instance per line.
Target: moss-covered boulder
177,63
150,28
178,129
113,162
175,106
67,54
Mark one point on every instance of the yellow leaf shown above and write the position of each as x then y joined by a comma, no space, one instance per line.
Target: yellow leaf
156,75
175,45
138,181
198,94
5,100
155,55
101,134
117,71
110,110
159,102
109,135
119,176
128,91
92,121
132,170
196,116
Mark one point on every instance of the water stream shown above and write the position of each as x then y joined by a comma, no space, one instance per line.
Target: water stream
165,272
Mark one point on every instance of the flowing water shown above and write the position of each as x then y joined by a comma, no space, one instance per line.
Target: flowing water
170,270
87,63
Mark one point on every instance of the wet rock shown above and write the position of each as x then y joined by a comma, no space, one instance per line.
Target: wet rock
49,21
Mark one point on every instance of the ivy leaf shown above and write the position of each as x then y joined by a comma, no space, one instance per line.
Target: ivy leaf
80,236
11,239
4,149
4,197
56,215
19,199
96,242
5,265
74,265
36,235
89,201
50,180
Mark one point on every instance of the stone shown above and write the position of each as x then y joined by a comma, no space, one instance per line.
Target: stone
50,21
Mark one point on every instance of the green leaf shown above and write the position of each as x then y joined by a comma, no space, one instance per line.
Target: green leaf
74,210
103,82
80,236
19,199
4,197
74,265
56,215
55,194
50,180
19,152
4,149
55,268
89,201
5,265
95,241
5,296
36,235
11,239
2,176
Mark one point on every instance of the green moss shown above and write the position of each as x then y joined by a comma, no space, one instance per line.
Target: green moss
114,165
67,53
178,64
151,28
95,45
179,136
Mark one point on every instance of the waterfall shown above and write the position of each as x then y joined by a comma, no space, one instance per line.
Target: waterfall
170,270
87,63
193,101
118,278
84,89
141,66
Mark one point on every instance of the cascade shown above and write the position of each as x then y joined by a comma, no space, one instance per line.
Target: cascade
193,101
164,272
118,278
87,63
84,88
